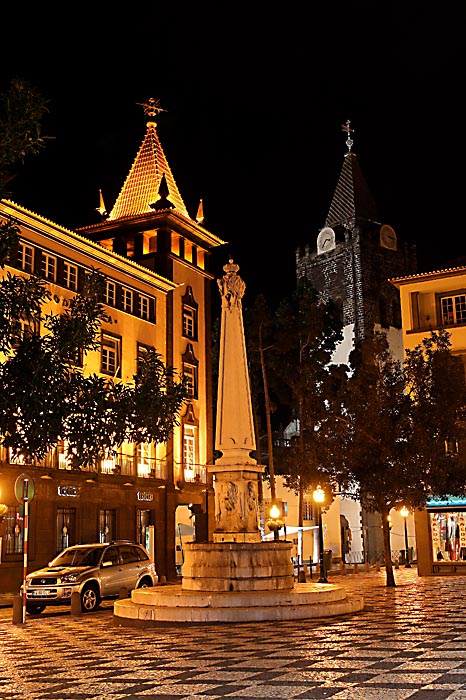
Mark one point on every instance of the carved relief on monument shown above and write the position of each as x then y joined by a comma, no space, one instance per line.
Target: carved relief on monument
236,506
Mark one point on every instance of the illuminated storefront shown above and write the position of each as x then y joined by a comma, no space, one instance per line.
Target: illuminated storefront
441,536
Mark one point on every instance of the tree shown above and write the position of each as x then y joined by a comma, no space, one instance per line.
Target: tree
44,394
22,109
307,332
395,421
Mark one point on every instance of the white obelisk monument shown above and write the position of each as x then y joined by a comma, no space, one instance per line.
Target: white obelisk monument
236,473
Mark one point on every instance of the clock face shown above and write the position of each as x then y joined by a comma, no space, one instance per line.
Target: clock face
325,240
388,237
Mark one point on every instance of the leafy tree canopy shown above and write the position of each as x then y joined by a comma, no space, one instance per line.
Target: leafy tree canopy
395,422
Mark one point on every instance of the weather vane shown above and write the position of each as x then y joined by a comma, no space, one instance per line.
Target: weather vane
347,129
151,107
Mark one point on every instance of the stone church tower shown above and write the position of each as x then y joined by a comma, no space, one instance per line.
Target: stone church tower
354,257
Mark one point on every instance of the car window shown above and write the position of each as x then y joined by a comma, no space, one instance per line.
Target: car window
90,558
140,554
111,554
128,554
78,557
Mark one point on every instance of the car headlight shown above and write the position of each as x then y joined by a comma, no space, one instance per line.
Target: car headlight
69,578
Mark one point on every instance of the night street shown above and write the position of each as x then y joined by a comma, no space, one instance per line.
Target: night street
408,642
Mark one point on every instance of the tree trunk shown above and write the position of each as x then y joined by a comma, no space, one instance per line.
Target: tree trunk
300,503
390,580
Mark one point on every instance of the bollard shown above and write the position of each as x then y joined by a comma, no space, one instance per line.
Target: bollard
377,566
162,580
123,593
367,566
356,568
397,563
17,610
343,567
76,608
302,577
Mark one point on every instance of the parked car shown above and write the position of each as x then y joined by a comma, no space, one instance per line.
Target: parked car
96,571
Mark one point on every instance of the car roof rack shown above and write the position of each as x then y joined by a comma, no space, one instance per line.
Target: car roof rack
122,542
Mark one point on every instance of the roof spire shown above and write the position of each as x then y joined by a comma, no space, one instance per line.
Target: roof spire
151,108
347,129
102,209
200,212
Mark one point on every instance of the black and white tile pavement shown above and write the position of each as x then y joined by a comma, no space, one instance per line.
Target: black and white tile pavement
408,642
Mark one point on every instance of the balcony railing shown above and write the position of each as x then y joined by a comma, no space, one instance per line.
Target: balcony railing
121,463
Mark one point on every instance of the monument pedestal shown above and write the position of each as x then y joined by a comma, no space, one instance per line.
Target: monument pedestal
237,566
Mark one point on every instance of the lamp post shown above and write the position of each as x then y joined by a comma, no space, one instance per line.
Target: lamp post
319,498
274,523
405,512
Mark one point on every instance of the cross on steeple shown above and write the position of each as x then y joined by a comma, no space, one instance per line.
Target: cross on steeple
347,129
151,107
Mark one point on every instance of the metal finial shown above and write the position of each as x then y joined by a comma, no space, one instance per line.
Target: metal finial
151,107
347,129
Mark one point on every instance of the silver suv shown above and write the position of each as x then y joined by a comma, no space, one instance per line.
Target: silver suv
95,571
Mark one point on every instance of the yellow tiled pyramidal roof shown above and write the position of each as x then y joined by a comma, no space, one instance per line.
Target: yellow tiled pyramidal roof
142,186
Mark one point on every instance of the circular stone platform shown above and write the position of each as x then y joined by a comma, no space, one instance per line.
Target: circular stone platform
149,606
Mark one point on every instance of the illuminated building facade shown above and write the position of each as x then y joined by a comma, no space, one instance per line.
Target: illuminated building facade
432,301
155,260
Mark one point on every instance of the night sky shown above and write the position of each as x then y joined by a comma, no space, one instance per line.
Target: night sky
255,100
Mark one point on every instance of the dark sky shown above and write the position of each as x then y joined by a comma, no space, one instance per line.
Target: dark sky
255,100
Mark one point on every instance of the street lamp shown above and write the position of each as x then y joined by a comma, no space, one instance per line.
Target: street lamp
274,523
319,498
405,512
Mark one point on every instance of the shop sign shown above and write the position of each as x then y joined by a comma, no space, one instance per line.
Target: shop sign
69,491
144,496
448,502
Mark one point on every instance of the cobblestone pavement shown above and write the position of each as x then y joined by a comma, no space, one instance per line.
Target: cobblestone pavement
408,642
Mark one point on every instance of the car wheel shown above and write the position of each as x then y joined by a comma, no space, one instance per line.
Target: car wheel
35,609
90,599
145,583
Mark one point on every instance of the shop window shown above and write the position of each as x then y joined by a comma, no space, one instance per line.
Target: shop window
66,528
14,531
448,529
143,520
107,522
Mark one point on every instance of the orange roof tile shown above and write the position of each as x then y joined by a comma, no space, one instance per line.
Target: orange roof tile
141,188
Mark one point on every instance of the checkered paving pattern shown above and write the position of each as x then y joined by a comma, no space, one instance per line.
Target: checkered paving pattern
408,642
